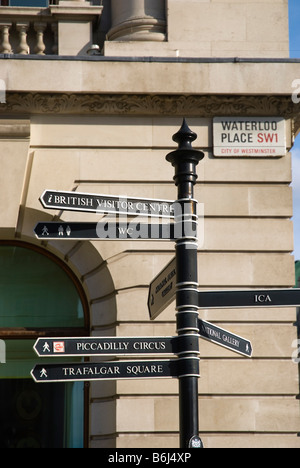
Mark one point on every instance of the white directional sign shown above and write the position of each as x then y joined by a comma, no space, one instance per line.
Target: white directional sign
96,203
162,290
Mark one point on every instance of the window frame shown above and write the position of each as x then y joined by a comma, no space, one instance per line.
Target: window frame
34,333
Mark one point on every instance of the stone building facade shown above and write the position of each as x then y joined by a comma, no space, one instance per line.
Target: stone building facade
91,94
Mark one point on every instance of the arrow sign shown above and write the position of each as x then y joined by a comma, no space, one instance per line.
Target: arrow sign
118,370
162,290
110,346
224,338
115,346
96,203
104,231
251,298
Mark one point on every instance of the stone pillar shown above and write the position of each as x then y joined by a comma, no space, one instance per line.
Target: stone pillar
138,20
75,19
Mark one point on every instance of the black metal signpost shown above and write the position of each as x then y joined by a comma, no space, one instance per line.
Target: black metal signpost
179,277
185,159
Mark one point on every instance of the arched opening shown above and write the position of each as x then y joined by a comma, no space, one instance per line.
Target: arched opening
39,296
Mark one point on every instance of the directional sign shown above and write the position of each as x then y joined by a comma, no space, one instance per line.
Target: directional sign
96,203
104,371
224,338
249,298
108,346
104,231
162,290
118,370
115,346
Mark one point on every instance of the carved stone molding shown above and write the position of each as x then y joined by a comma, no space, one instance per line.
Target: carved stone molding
181,105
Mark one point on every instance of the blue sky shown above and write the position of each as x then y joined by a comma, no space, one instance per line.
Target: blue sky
294,7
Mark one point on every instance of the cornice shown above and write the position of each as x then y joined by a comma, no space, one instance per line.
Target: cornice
205,106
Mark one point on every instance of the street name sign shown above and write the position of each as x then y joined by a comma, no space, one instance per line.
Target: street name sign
115,346
249,298
96,203
224,338
118,370
162,290
104,231
249,136
105,346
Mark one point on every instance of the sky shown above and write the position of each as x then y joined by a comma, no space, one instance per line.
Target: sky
294,7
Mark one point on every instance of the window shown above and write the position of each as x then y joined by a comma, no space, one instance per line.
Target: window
25,3
39,296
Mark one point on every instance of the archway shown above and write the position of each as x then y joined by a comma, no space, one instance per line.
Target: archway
40,296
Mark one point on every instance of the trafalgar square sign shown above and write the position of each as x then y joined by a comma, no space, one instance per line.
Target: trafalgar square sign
249,137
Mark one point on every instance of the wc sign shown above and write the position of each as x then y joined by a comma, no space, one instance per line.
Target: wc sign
2,352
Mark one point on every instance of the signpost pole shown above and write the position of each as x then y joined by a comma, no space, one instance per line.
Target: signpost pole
185,160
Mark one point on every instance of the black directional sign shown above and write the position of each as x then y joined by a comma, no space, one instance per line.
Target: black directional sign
162,290
224,338
96,203
115,346
104,231
118,370
251,298
108,346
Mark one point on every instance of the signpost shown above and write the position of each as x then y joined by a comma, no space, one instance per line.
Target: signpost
162,290
224,338
232,137
184,160
96,203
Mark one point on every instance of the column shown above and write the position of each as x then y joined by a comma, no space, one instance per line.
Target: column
23,48
40,45
5,46
138,20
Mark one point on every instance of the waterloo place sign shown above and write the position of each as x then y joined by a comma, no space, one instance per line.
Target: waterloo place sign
249,137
